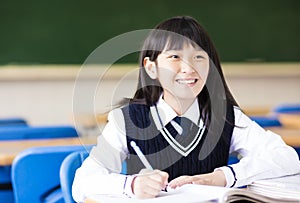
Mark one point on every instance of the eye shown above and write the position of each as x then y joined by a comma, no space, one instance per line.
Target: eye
199,57
174,56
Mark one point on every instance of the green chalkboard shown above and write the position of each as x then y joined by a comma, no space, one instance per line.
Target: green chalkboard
67,31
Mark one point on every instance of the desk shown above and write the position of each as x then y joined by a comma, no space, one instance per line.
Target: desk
10,148
291,120
290,136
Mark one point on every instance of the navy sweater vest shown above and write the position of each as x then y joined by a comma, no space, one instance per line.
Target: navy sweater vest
141,128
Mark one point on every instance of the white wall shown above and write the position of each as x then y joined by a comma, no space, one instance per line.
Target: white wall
44,96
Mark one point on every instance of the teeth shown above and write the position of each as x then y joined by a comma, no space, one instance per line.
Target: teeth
186,81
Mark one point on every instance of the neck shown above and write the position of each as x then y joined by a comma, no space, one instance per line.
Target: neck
179,105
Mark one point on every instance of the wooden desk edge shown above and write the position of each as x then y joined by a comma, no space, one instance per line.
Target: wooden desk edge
291,137
7,159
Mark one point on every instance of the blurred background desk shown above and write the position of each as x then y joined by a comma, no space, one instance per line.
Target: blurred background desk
290,136
11,148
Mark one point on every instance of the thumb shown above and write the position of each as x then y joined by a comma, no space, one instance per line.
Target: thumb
145,171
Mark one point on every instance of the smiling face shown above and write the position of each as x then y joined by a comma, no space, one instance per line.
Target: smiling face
182,73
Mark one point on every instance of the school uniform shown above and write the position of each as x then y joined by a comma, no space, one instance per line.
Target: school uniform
265,155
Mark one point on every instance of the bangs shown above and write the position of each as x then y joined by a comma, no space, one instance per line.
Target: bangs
178,42
163,40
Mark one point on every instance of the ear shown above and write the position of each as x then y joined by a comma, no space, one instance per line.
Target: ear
150,68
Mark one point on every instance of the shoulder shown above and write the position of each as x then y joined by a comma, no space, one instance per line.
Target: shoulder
115,115
131,109
241,119
115,120
135,110
137,114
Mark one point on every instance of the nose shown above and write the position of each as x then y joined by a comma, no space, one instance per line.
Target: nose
186,67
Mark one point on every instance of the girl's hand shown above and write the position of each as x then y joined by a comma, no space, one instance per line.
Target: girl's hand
148,183
216,178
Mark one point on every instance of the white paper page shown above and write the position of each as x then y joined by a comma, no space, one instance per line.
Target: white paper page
185,194
283,187
291,182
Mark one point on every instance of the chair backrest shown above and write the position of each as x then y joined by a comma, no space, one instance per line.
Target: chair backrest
287,108
12,122
266,121
68,169
37,132
233,158
35,173
67,173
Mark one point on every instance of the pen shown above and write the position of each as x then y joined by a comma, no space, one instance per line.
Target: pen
143,158
141,155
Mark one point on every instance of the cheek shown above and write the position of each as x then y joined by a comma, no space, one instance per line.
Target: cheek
167,71
165,77
203,71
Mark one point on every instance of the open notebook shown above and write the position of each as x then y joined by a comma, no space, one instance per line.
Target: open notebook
185,194
285,189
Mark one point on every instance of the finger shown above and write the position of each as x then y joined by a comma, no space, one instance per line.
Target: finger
145,171
160,177
182,180
146,188
144,194
155,185
153,181
165,177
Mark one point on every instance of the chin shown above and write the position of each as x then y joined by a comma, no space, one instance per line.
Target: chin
186,97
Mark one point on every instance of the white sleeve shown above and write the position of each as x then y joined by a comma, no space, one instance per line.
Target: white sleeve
100,172
265,154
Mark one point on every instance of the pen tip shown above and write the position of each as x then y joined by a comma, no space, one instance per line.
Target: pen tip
133,144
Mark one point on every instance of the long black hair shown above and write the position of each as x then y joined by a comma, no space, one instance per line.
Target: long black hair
165,36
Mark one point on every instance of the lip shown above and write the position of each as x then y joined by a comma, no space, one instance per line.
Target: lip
187,81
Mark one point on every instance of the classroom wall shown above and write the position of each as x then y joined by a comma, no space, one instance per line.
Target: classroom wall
38,37
46,96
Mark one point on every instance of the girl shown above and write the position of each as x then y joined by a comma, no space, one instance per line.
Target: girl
186,122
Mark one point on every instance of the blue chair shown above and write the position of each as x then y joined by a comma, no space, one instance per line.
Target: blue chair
67,172
266,121
6,192
68,169
25,132
287,108
12,122
233,158
35,173
38,132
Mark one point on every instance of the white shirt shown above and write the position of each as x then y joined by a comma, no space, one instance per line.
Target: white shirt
265,155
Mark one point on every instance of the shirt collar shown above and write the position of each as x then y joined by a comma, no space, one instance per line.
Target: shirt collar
167,114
